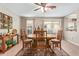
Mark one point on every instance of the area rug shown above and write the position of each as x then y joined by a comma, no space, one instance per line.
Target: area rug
38,52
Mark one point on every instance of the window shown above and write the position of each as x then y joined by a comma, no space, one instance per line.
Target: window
51,27
29,26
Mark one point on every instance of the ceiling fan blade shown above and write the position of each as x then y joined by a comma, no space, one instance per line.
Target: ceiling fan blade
43,4
51,7
37,9
37,4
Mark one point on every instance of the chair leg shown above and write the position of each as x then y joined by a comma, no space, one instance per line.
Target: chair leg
31,45
60,46
56,45
53,45
23,46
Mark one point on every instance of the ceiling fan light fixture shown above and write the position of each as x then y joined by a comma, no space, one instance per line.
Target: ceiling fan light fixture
46,9
42,9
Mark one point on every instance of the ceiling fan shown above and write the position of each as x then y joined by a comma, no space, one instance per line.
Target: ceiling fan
43,7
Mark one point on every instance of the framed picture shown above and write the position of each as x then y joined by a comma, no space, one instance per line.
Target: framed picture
71,26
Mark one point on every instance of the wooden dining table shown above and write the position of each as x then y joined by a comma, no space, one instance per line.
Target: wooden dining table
47,37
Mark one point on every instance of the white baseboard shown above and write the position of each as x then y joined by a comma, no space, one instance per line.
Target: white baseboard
73,42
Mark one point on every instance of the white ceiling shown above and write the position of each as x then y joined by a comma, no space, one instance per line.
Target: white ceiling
26,9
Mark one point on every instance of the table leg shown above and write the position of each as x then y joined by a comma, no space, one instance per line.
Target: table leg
34,43
47,43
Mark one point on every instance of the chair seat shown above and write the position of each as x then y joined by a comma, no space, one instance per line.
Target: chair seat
27,40
55,40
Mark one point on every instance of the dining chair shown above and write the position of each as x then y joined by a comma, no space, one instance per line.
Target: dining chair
40,37
24,39
57,42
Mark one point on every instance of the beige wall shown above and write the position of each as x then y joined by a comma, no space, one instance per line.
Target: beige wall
16,20
71,36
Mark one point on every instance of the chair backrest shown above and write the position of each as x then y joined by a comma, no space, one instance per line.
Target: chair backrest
23,35
59,35
40,35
